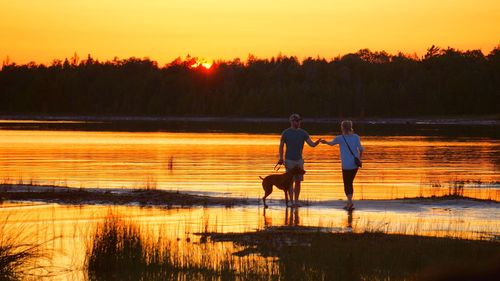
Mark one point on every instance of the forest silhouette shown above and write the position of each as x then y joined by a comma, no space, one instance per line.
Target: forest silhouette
444,82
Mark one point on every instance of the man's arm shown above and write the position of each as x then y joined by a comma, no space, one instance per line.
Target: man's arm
282,144
313,143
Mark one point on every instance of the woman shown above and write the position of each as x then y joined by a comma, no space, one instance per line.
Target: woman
350,148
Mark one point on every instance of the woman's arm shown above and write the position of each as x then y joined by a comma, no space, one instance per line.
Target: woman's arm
330,143
361,149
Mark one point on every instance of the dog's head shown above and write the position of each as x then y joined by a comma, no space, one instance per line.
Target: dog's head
297,171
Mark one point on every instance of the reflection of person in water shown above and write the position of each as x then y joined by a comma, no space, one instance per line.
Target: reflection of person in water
291,218
294,219
349,219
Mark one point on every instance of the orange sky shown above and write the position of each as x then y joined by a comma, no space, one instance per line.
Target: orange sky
41,30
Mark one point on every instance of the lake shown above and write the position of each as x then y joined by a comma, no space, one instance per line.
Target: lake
228,163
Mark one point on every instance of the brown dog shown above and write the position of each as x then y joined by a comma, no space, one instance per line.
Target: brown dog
282,181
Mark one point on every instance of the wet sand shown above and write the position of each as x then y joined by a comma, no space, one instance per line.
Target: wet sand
89,196
163,198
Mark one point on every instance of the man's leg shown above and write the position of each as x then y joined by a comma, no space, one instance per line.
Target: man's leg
297,191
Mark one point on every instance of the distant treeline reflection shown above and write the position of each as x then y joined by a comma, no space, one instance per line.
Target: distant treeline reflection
443,82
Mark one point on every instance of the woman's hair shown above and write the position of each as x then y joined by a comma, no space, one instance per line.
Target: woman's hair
346,126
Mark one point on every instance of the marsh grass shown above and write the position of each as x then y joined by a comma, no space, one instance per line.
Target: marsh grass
116,248
20,256
14,258
151,184
460,189
434,228
120,250
316,255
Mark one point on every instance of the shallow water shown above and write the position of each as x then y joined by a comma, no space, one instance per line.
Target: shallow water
228,164
68,229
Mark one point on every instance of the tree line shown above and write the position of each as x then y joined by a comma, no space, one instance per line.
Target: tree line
444,82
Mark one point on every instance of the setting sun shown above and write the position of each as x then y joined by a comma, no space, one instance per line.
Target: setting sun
200,63
142,140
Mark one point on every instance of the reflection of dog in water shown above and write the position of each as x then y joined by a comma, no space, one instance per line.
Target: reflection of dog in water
282,181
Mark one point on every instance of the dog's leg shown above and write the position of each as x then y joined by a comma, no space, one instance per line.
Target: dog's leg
290,193
286,197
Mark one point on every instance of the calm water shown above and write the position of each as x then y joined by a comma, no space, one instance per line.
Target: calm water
228,164
65,231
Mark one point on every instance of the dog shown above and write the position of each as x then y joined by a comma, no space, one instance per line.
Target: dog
282,181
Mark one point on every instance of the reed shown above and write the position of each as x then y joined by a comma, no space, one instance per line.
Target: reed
314,255
459,189
18,258
13,259
119,250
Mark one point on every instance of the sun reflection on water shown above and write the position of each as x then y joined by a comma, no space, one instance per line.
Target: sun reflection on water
230,164
73,226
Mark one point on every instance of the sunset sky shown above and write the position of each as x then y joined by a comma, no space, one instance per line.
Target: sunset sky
43,30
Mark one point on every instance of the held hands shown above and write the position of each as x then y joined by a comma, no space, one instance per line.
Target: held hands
320,140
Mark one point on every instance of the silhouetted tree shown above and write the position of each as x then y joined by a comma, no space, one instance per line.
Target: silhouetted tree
363,84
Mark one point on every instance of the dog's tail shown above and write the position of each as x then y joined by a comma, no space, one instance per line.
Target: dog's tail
261,178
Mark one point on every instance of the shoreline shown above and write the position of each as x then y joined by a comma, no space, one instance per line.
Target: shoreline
96,196
169,199
424,120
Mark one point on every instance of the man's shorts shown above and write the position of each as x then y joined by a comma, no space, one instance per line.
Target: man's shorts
290,164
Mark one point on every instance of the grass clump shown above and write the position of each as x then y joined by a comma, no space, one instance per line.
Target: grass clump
460,189
309,255
14,259
119,250
17,257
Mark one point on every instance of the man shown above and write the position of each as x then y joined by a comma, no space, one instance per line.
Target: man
294,138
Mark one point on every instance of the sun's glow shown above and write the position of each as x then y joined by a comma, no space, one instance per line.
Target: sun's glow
204,64
44,30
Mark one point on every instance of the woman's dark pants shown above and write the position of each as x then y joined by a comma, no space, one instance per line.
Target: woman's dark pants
348,177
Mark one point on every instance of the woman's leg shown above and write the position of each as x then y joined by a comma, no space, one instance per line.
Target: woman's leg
348,177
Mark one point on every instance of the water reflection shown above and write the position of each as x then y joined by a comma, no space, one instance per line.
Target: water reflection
268,220
293,219
230,164
70,228
348,223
